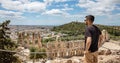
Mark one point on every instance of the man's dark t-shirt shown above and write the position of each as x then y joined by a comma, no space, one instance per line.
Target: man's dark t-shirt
93,32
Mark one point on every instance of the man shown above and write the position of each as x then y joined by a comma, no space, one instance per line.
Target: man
92,40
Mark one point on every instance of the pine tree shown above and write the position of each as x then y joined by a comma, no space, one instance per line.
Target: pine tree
6,44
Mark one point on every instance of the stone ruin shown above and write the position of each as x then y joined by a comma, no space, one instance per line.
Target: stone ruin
28,38
109,52
113,56
54,49
105,36
64,49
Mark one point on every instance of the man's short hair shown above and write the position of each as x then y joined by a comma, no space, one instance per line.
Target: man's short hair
90,17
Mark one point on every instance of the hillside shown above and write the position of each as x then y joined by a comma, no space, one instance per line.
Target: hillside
72,28
78,28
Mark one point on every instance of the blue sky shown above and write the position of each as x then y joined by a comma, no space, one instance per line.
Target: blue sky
57,12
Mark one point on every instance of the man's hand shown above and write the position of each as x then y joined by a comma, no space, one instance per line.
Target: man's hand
85,52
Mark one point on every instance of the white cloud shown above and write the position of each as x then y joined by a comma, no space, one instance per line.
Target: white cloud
50,1
24,1
35,6
60,0
66,7
58,12
30,6
11,5
55,12
23,5
74,16
99,7
10,14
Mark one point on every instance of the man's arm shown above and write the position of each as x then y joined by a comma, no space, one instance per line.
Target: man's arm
100,41
88,43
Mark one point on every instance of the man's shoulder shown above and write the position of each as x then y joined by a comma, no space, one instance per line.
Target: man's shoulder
90,27
94,26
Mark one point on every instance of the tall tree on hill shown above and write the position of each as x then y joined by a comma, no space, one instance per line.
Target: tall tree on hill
6,44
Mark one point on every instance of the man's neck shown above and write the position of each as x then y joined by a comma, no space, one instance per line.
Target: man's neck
90,24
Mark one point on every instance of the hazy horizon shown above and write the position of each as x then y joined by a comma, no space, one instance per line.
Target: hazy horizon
63,24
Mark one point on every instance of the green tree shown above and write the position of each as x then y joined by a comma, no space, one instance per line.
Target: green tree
6,44
37,55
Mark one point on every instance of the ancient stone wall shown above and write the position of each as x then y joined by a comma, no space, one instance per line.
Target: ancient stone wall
54,49
64,49
27,38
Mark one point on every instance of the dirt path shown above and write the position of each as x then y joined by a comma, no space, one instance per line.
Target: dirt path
112,45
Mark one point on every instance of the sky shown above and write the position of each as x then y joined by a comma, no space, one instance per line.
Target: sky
58,12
